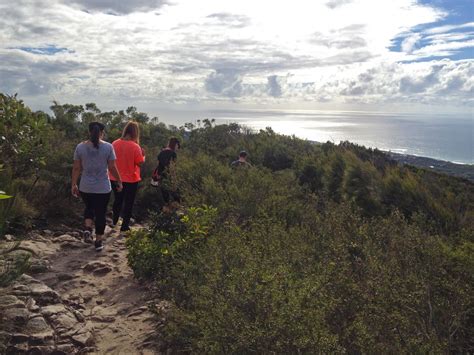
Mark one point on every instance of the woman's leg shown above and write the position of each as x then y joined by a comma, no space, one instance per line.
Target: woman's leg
88,215
100,209
129,192
118,202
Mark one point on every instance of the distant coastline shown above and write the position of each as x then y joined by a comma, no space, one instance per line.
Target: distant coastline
465,171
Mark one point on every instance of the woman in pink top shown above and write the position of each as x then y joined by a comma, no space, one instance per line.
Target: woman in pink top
129,158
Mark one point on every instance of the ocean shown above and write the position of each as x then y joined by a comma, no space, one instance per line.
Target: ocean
437,136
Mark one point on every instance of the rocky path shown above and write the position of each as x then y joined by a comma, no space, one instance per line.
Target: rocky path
78,300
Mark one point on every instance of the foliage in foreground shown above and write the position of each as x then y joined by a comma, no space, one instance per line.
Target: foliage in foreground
335,283
342,251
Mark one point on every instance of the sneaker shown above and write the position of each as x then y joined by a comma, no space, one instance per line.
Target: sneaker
124,229
98,245
87,235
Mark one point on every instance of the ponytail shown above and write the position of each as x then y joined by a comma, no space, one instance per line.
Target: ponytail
95,135
95,128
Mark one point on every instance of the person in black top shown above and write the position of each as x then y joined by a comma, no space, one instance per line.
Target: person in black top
166,172
242,161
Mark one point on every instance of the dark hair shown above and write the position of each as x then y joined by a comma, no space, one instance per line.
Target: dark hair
243,154
173,142
94,129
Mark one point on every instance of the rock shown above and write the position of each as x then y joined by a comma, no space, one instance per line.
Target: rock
51,310
17,316
64,349
136,312
73,245
47,232
38,266
64,238
98,268
27,279
83,339
63,322
103,319
37,325
76,235
79,316
10,301
17,349
31,305
40,350
21,290
18,338
44,295
64,277
45,338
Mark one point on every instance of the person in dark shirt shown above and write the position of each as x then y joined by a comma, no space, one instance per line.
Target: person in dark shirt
167,174
242,161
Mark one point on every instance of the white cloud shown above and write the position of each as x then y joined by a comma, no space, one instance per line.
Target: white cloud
448,28
228,51
410,42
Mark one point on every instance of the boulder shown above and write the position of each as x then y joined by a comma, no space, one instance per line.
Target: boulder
16,316
38,266
53,309
37,325
98,268
10,301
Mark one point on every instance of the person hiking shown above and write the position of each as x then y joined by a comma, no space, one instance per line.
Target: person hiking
130,156
165,174
242,161
92,159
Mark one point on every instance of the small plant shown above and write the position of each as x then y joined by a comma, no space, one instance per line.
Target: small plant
170,238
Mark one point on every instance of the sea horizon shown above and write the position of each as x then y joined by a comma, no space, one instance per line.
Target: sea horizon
446,137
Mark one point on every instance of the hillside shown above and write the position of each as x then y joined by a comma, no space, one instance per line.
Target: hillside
315,248
465,171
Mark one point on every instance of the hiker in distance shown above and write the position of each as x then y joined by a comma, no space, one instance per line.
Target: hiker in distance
242,161
164,176
92,159
130,156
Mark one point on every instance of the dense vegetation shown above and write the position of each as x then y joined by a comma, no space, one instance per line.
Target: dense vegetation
327,248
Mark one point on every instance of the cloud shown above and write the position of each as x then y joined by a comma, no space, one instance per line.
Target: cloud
448,28
332,4
230,20
410,42
441,41
275,85
436,82
227,82
117,7
230,51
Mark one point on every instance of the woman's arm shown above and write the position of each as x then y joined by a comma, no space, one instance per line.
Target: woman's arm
76,172
113,170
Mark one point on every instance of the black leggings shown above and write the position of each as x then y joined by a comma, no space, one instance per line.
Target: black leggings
96,207
123,202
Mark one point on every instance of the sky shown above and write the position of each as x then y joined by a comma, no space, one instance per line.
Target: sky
165,55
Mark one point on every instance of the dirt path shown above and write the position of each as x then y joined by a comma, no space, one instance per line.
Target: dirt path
101,287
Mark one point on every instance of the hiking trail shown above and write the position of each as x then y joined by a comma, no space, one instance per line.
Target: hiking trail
78,300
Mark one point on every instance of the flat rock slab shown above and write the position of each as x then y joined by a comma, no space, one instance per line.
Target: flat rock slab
98,267
38,322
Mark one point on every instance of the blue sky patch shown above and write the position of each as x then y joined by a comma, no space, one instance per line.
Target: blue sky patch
47,50
456,28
